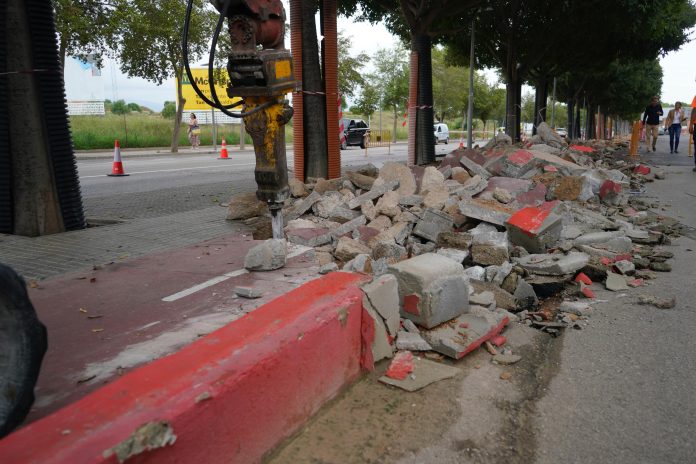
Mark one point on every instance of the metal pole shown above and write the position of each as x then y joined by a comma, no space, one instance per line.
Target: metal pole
470,111
553,103
212,114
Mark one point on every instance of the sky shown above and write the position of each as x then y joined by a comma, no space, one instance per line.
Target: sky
679,82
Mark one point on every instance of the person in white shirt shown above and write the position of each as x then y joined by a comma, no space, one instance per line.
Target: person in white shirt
673,123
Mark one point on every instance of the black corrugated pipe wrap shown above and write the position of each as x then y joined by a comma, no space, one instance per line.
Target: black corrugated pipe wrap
5,160
425,138
55,112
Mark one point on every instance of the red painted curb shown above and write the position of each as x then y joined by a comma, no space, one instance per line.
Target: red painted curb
229,397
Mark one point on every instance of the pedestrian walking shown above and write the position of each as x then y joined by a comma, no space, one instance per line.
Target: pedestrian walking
652,116
692,121
194,131
673,123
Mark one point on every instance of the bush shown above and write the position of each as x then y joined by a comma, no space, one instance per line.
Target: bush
134,107
120,107
169,110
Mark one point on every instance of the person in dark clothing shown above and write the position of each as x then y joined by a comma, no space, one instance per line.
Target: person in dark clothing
652,115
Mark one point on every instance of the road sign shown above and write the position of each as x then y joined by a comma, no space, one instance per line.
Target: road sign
200,75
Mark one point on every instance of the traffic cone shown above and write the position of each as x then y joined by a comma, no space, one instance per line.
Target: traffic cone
223,150
117,166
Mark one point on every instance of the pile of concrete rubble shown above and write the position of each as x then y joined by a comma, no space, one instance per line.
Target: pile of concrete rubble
486,237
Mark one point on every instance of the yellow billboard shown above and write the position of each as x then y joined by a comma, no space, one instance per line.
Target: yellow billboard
200,76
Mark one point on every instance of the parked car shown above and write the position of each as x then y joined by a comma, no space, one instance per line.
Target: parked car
562,132
356,131
661,130
441,133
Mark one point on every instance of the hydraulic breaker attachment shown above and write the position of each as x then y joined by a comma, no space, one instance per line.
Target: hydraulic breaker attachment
261,73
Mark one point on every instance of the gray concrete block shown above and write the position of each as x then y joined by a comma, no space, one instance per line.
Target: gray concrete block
433,223
554,264
267,256
432,289
382,294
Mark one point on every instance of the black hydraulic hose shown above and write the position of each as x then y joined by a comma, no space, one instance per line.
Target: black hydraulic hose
184,46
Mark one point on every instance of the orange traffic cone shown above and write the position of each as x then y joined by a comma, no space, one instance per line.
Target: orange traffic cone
223,150
117,167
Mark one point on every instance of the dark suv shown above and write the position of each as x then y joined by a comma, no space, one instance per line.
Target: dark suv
355,132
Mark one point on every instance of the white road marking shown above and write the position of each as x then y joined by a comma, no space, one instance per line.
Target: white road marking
174,170
296,251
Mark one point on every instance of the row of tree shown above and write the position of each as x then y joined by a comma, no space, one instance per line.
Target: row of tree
603,54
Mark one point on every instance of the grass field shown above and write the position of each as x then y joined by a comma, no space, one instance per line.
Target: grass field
145,130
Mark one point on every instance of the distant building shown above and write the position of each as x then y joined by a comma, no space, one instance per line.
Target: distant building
84,87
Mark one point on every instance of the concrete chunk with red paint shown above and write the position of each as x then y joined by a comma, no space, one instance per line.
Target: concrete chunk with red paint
535,229
432,289
461,336
610,193
641,169
517,163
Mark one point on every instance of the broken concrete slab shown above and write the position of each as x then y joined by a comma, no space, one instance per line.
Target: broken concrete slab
424,373
525,296
327,268
390,251
325,206
454,254
503,299
432,223
436,198
460,174
461,336
381,346
245,206
472,187
267,256
382,294
348,227
458,240
616,282
347,249
490,248
534,229
388,204
486,210
615,241
313,237
360,180
411,200
474,168
432,180
376,192
411,341
553,264
485,299
302,206
432,289
517,163
400,173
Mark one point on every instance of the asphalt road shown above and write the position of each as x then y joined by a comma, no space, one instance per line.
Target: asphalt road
170,183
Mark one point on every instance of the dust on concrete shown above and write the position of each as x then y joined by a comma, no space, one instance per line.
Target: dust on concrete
373,423
476,417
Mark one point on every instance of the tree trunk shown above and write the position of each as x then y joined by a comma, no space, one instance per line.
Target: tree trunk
179,113
425,138
62,50
316,155
512,107
577,120
396,116
540,99
572,135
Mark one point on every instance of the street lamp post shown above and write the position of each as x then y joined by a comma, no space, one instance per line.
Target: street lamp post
470,111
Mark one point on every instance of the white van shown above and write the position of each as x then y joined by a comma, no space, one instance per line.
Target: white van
441,132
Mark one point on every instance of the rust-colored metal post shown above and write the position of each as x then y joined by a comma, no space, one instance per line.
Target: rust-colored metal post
412,108
635,139
329,13
297,96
